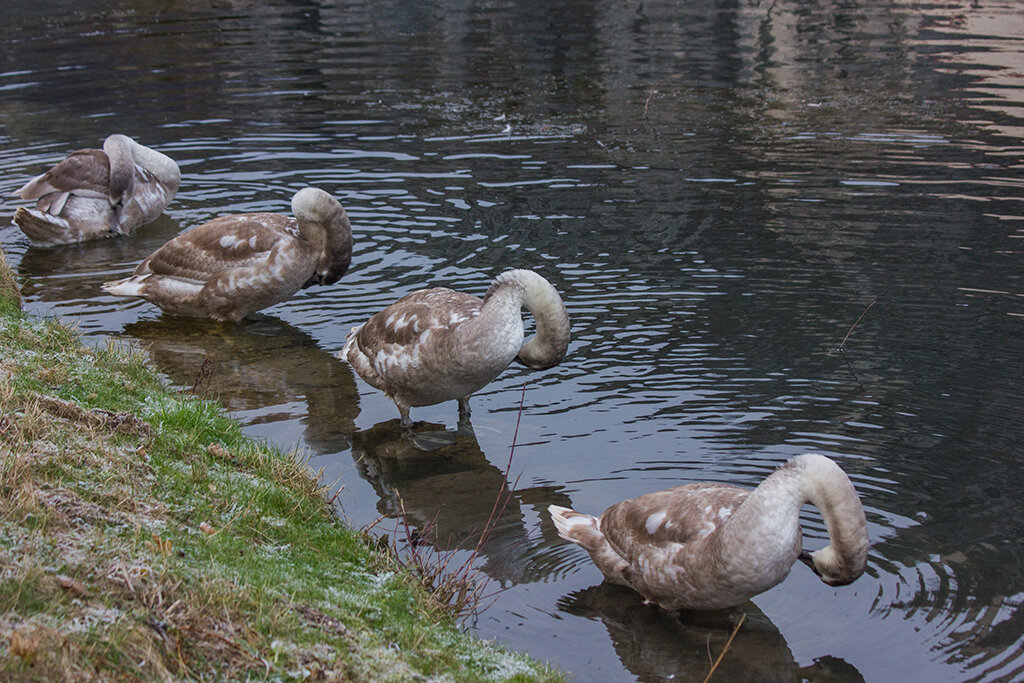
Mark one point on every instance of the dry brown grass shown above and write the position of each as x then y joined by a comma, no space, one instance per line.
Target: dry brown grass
9,290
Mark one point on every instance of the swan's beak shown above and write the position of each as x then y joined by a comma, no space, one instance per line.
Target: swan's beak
806,558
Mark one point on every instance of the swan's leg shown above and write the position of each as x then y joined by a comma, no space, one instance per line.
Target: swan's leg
464,428
403,410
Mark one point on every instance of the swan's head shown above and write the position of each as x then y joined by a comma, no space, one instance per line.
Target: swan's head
119,150
314,206
834,569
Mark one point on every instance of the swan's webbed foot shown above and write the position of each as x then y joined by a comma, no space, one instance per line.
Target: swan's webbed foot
464,428
432,441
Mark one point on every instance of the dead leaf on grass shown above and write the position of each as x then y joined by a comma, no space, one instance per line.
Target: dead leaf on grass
164,546
67,583
24,643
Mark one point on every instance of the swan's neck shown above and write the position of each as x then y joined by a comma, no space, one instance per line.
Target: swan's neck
160,165
336,254
118,149
768,521
514,290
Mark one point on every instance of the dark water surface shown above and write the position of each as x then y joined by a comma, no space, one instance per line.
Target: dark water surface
719,190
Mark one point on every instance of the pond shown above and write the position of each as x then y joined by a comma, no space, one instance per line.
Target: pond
778,227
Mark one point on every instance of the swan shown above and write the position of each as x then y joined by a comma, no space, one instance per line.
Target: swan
97,193
713,546
435,345
235,265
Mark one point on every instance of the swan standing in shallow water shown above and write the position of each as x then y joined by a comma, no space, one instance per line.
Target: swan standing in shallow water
711,546
98,193
236,265
436,345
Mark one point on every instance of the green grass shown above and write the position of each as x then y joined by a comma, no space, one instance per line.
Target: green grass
143,537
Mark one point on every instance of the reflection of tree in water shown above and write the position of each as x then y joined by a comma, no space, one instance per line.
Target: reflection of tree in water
656,645
449,496
255,365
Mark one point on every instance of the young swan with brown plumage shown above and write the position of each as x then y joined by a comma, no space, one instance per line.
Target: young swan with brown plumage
236,265
437,344
711,546
98,193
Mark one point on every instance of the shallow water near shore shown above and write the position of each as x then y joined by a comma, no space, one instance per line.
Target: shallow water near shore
777,229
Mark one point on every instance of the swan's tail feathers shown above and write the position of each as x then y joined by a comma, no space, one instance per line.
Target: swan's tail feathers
585,531
360,362
581,529
129,286
43,228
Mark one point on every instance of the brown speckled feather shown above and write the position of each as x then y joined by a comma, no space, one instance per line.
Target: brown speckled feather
236,241
407,320
86,170
407,349
688,512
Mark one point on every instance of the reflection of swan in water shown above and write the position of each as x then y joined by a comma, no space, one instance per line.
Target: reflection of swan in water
656,645
448,496
74,272
711,545
258,364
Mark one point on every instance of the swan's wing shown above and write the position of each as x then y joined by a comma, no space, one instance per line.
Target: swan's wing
226,243
409,349
674,516
416,319
85,173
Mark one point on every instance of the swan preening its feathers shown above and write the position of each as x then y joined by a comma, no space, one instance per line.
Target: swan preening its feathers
711,546
236,265
97,193
436,345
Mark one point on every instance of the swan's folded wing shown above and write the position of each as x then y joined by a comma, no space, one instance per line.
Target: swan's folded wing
415,318
85,172
678,515
230,242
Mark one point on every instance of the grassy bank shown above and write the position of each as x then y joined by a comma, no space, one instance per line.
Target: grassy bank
142,536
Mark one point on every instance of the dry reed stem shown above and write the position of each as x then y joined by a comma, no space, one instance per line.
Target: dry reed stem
857,322
725,649
654,89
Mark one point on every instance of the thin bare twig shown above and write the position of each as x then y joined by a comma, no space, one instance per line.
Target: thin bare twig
654,89
204,373
725,649
842,346
855,324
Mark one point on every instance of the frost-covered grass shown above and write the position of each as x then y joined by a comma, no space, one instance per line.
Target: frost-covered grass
143,537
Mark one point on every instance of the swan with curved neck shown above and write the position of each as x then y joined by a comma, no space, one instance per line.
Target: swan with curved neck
236,265
436,345
711,546
98,193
